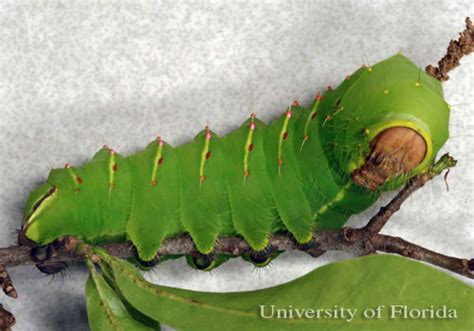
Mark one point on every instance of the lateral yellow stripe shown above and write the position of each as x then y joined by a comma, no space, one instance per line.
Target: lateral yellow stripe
204,155
157,160
112,167
75,178
247,147
43,205
338,197
311,117
282,136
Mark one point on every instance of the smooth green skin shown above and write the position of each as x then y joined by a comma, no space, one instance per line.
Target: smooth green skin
359,283
312,188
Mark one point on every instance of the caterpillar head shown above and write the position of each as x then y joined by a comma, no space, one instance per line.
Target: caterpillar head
393,152
385,123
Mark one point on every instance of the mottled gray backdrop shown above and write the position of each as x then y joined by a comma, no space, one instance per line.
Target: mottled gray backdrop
75,75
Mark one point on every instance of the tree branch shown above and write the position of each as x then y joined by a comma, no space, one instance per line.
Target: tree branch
402,247
7,320
456,50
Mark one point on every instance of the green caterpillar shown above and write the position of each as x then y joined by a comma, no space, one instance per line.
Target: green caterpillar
310,168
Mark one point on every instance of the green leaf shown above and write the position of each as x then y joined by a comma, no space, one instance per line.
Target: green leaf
362,283
105,309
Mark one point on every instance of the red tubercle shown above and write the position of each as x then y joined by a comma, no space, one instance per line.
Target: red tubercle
306,137
280,162
78,180
208,133
202,178
159,141
115,167
252,116
246,173
319,97
296,103
208,155
67,166
153,182
285,135
251,147
288,114
111,150
160,161
329,88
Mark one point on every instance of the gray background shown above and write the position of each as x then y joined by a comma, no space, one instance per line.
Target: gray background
77,75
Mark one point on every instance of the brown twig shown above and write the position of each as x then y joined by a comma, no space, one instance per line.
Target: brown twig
456,50
355,241
6,283
7,320
402,247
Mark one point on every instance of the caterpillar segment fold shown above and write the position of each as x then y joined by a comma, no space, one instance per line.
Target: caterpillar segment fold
309,168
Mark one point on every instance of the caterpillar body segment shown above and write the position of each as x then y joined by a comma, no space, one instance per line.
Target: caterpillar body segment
329,197
253,209
155,204
205,211
293,207
308,168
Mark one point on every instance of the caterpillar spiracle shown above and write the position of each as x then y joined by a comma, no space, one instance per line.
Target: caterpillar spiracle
310,168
